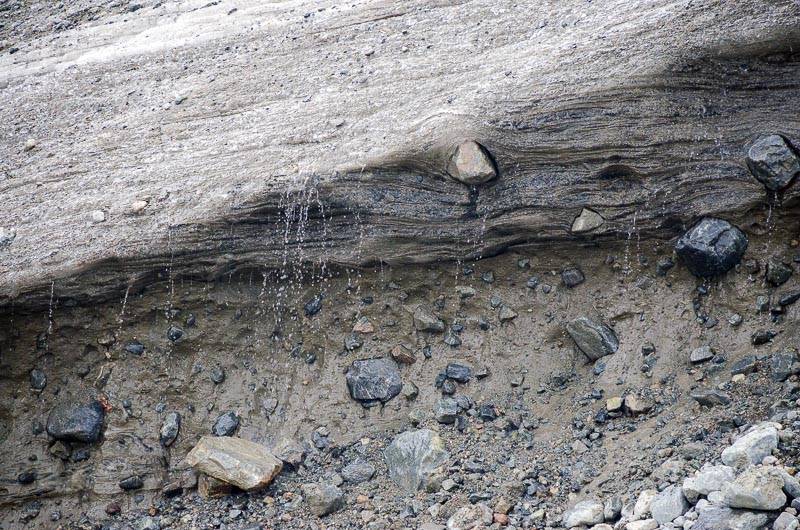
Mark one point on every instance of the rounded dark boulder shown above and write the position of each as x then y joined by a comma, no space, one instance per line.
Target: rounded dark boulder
711,247
73,421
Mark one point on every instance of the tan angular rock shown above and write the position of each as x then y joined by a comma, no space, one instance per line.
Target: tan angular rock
587,221
471,164
244,464
209,487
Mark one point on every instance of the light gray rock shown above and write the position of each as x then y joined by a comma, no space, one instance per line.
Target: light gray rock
791,486
668,504
721,517
593,338
413,455
323,499
170,428
358,472
758,488
644,524
446,410
587,221
701,354
426,320
612,508
752,447
642,506
709,478
584,513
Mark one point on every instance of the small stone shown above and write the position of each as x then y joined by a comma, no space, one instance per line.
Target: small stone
28,477
584,513
403,355
669,504
712,247
758,488
373,380
225,425
664,265
451,339
174,333
412,456
7,236
572,277
131,483
762,336
614,404
363,326
426,320
170,428
710,397
38,379
135,348
313,306
507,314
244,464
471,164
138,206
352,342
752,447
358,472
323,499
217,375
410,391
458,372
593,338
773,161
98,216
30,144
701,354
780,366
587,221
638,405
446,410
76,422
745,365
778,272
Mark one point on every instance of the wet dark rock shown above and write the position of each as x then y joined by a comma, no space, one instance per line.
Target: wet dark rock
572,277
458,372
451,338
487,412
174,333
712,247
762,303
746,365
28,477
446,410
374,380
132,483
313,306
38,379
134,348
773,162
778,272
426,320
170,428
225,425
217,375
762,336
710,397
593,338
358,472
353,341
449,387
323,499
488,277
533,282
780,366
664,265
74,421
789,298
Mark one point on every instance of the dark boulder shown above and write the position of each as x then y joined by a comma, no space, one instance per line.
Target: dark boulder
74,421
773,162
373,380
458,372
711,247
225,425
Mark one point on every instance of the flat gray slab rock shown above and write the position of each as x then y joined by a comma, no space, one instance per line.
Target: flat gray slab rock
668,504
244,464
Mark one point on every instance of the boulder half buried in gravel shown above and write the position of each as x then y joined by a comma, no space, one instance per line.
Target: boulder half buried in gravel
711,247
471,164
373,381
593,338
758,488
74,421
323,499
244,464
413,455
